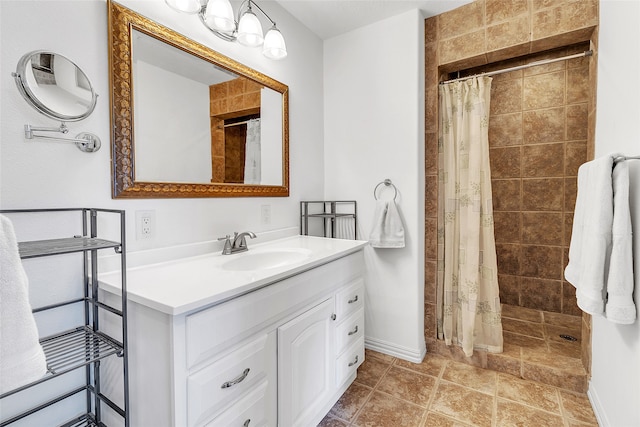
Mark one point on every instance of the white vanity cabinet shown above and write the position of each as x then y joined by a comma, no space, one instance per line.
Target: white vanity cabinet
280,355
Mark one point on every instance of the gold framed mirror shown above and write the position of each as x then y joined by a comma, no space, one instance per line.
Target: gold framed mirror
187,121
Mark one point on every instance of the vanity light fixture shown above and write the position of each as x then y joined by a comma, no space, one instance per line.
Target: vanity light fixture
217,16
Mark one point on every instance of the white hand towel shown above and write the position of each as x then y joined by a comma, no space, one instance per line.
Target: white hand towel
387,231
620,307
22,359
591,259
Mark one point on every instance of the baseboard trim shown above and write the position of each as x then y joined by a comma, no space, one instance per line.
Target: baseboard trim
405,353
598,409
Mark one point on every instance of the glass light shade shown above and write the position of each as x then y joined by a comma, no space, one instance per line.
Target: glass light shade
250,30
274,46
219,15
185,6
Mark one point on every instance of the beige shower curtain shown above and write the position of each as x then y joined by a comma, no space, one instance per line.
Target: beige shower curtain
468,299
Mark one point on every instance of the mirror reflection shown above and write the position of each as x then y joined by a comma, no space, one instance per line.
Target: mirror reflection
55,86
212,130
188,121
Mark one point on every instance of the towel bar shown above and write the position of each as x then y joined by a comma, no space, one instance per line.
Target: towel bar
387,182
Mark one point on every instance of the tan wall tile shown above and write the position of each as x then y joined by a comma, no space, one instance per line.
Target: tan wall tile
462,20
561,39
506,194
505,162
506,97
506,227
431,196
575,155
543,125
569,301
431,239
514,32
431,109
507,53
505,130
542,228
465,46
545,194
502,10
508,258
431,153
567,228
570,193
431,29
544,90
577,121
577,85
430,283
509,289
543,262
543,160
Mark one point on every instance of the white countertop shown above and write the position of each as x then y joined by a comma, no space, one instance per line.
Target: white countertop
186,284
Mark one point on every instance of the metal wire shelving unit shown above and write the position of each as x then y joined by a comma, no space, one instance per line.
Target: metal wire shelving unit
330,211
86,345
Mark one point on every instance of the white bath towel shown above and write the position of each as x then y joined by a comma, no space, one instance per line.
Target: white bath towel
387,231
22,359
600,259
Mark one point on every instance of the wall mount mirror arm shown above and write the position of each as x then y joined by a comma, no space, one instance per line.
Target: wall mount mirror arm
85,141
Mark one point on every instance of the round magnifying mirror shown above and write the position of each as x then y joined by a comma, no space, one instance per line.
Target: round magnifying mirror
55,86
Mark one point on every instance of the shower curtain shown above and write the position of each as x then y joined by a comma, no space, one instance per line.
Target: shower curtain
468,310
253,155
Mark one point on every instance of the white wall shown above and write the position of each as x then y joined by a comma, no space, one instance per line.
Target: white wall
37,174
43,174
615,384
374,129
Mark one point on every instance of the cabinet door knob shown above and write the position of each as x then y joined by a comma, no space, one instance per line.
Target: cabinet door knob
236,380
246,423
354,299
355,331
354,361
333,316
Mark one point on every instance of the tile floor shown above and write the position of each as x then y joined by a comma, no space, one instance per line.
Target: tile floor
391,392
536,381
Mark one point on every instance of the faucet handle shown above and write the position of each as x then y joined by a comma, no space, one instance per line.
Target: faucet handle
227,244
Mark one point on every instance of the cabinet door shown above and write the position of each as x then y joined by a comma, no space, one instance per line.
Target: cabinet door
306,365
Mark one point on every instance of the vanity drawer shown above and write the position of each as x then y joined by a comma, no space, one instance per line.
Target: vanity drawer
350,299
250,411
349,361
349,331
218,384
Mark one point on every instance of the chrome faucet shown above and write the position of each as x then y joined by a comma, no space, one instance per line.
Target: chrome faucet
239,243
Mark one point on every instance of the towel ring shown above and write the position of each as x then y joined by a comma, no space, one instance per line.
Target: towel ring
387,182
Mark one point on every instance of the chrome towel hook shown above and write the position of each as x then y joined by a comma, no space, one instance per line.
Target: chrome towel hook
387,182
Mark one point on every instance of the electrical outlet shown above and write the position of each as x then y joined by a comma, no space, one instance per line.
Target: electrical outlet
145,225
265,214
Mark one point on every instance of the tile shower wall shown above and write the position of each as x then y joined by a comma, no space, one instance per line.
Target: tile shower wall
538,139
481,33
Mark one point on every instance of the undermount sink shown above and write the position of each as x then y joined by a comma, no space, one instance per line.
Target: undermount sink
266,259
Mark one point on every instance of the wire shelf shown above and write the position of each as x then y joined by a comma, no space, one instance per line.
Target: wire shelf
75,348
84,420
62,246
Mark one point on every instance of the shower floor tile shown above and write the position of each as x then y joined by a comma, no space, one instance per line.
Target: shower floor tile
445,392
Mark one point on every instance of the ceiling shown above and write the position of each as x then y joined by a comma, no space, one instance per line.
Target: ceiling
329,18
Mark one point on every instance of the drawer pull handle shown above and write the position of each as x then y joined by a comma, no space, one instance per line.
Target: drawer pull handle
237,380
354,299
333,316
246,423
355,331
354,361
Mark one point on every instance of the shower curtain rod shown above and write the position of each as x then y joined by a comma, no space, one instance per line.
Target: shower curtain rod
520,67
